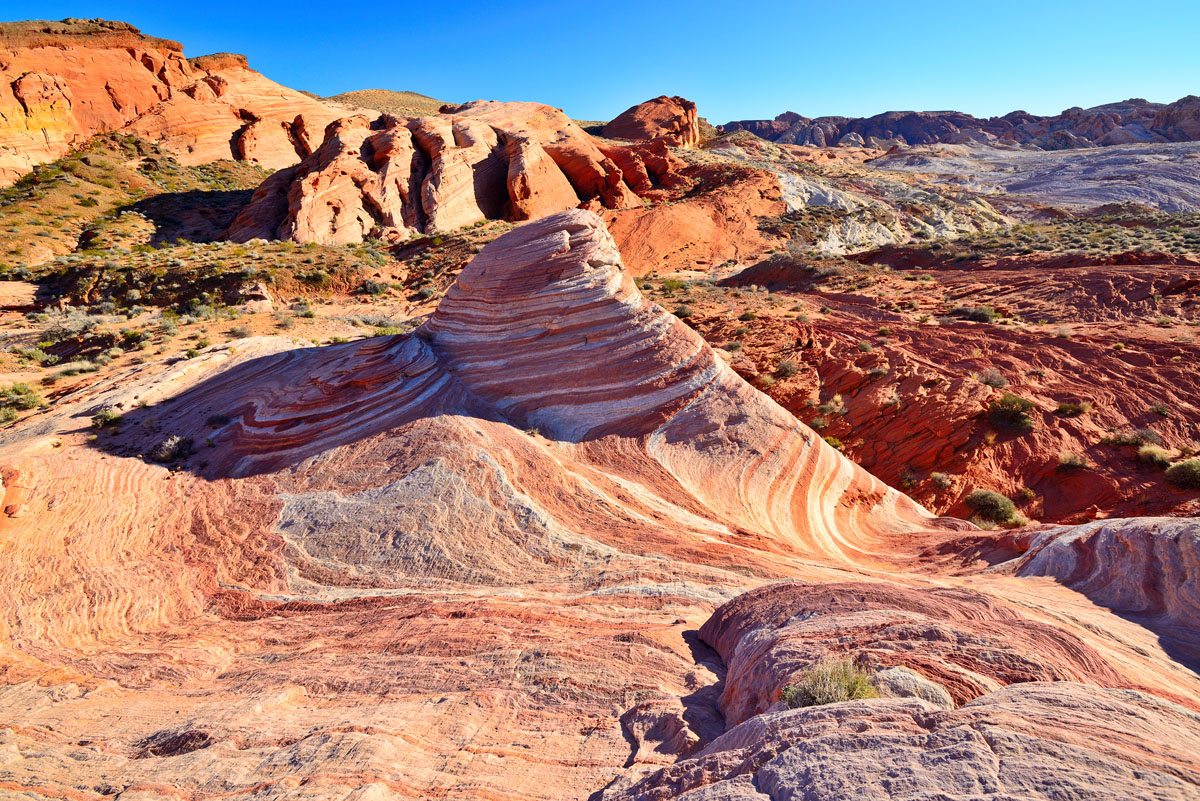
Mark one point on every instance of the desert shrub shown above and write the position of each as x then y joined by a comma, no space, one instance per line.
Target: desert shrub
733,347
1012,412
1025,495
830,681
992,378
1068,462
1185,474
976,314
940,480
172,448
684,312
426,292
672,285
1073,409
786,369
133,338
239,332
36,355
105,418
835,443
1154,455
20,397
374,287
866,347
990,506
1138,436
1160,409
747,316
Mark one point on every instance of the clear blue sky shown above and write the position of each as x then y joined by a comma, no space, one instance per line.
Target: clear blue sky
737,60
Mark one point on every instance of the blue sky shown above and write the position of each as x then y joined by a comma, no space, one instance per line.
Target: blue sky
737,60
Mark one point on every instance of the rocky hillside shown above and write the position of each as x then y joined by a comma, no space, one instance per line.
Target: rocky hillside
1130,121
63,82
401,104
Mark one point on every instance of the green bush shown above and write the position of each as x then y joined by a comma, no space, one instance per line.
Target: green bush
828,682
1012,411
990,506
684,312
20,396
1073,409
1154,455
1185,474
105,418
747,316
1068,462
786,369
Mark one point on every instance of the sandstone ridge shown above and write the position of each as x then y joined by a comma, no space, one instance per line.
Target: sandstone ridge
399,176
63,82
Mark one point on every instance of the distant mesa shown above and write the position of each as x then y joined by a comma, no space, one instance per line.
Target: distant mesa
1128,122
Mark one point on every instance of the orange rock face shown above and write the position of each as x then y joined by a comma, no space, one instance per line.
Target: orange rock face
483,161
669,119
63,82
477,561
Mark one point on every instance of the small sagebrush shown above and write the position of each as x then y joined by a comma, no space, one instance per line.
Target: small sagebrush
1185,474
829,682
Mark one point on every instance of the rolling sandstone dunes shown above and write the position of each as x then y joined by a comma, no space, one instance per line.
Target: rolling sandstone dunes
482,561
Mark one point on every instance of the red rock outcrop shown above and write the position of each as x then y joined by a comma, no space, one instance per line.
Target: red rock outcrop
62,82
483,161
669,119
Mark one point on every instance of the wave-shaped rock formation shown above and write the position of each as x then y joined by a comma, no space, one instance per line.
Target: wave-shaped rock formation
477,561
398,176
1127,122
62,82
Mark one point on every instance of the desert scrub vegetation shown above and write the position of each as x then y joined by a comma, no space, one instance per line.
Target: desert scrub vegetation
1070,409
993,378
1185,474
172,448
17,398
1155,456
1012,412
1137,436
1110,229
830,681
1070,462
786,369
991,506
106,418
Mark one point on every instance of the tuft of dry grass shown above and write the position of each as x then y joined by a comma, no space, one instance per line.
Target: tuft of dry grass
829,682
